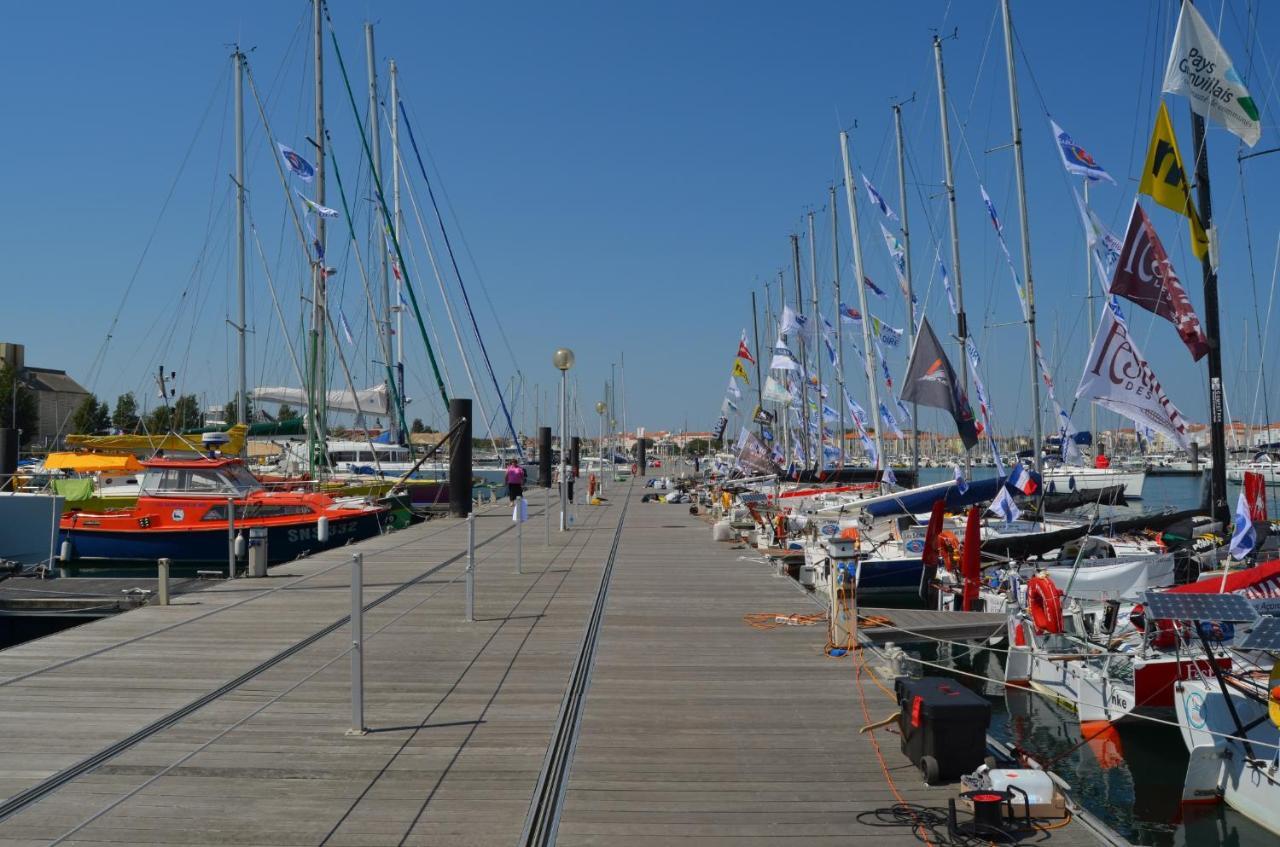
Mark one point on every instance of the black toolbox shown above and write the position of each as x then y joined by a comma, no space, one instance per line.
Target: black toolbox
943,725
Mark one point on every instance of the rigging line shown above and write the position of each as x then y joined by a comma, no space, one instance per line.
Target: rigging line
453,323
431,325
293,355
466,299
382,205
466,245
1253,284
96,369
330,151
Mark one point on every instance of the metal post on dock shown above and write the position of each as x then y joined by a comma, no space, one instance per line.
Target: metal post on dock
522,512
471,567
231,538
357,645
162,582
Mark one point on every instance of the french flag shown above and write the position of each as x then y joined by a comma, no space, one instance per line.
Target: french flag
1022,480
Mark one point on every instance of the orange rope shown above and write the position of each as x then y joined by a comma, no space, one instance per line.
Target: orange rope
773,620
921,832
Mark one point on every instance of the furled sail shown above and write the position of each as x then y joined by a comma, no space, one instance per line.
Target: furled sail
371,401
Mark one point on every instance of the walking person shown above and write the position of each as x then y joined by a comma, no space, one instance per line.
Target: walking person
515,480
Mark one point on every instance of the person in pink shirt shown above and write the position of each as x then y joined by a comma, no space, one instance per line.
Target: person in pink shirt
515,480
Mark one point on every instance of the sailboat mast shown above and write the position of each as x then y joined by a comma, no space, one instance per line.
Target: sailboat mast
906,250
962,326
755,334
804,359
242,394
316,427
859,277
1093,320
1028,284
398,308
1217,433
375,143
817,349
835,269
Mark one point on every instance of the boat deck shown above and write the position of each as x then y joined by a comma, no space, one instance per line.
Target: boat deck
222,719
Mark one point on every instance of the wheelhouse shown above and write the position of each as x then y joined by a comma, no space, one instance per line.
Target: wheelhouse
197,477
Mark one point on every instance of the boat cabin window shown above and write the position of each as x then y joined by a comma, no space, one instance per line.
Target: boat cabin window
256,510
230,480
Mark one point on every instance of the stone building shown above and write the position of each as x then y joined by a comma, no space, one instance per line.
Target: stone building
57,395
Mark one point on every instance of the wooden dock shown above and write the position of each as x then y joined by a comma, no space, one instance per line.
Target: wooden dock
224,718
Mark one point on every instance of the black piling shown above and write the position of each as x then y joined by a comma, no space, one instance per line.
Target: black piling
640,455
544,456
575,454
460,458
8,458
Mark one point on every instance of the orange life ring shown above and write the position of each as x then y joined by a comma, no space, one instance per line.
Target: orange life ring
949,549
1044,602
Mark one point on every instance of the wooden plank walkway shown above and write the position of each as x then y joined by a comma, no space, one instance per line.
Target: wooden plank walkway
697,729
702,730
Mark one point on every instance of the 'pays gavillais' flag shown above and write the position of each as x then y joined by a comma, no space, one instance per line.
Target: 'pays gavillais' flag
1145,276
1117,377
931,381
1202,71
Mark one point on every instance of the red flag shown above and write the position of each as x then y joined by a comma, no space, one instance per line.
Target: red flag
1255,493
971,560
1145,276
744,353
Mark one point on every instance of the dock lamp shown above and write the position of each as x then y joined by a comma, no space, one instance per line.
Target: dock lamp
563,360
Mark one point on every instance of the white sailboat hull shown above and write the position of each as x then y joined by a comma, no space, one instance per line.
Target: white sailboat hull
1064,479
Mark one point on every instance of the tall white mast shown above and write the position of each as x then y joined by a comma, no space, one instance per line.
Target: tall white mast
398,309
1016,120
817,342
862,298
242,395
962,327
835,268
906,251
375,143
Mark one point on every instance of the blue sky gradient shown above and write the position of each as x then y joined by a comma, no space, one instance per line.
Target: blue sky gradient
618,179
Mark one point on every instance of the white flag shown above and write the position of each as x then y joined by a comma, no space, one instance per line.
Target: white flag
783,359
322,211
1200,70
1004,506
734,391
1117,377
774,391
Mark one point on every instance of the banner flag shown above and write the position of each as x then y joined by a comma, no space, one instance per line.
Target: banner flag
878,199
1200,70
774,392
1145,276
740,371
322,211
299,166
931,381
1075,159
783,358
1117,377
1164,179
743,351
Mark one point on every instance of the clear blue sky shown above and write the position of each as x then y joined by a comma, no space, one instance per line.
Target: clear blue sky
623,176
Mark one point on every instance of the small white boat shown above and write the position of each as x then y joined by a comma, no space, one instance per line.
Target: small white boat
1065,478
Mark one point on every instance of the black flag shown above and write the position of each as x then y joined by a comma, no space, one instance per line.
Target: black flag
931,381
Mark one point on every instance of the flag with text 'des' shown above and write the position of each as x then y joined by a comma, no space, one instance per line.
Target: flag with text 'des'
1117,377
931,381
1145,276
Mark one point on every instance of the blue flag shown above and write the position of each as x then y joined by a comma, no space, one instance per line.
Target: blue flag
299,166
1076,159
875,289
1245,537
878,199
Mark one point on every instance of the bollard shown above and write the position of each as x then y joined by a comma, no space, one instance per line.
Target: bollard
471,567
357,645
162,581
231,538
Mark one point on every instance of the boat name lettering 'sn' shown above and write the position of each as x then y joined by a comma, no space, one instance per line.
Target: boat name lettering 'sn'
308,533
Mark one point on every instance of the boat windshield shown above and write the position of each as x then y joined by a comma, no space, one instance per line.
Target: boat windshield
227,481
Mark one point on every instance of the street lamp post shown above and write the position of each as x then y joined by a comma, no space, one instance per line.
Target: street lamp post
601,408
563,360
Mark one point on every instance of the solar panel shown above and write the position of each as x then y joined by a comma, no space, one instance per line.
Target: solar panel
1265,636
1198,607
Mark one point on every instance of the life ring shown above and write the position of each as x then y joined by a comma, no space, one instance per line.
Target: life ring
949,549
1044,602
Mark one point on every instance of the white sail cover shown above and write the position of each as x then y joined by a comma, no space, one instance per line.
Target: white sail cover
371,401
1122,581
1117,377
